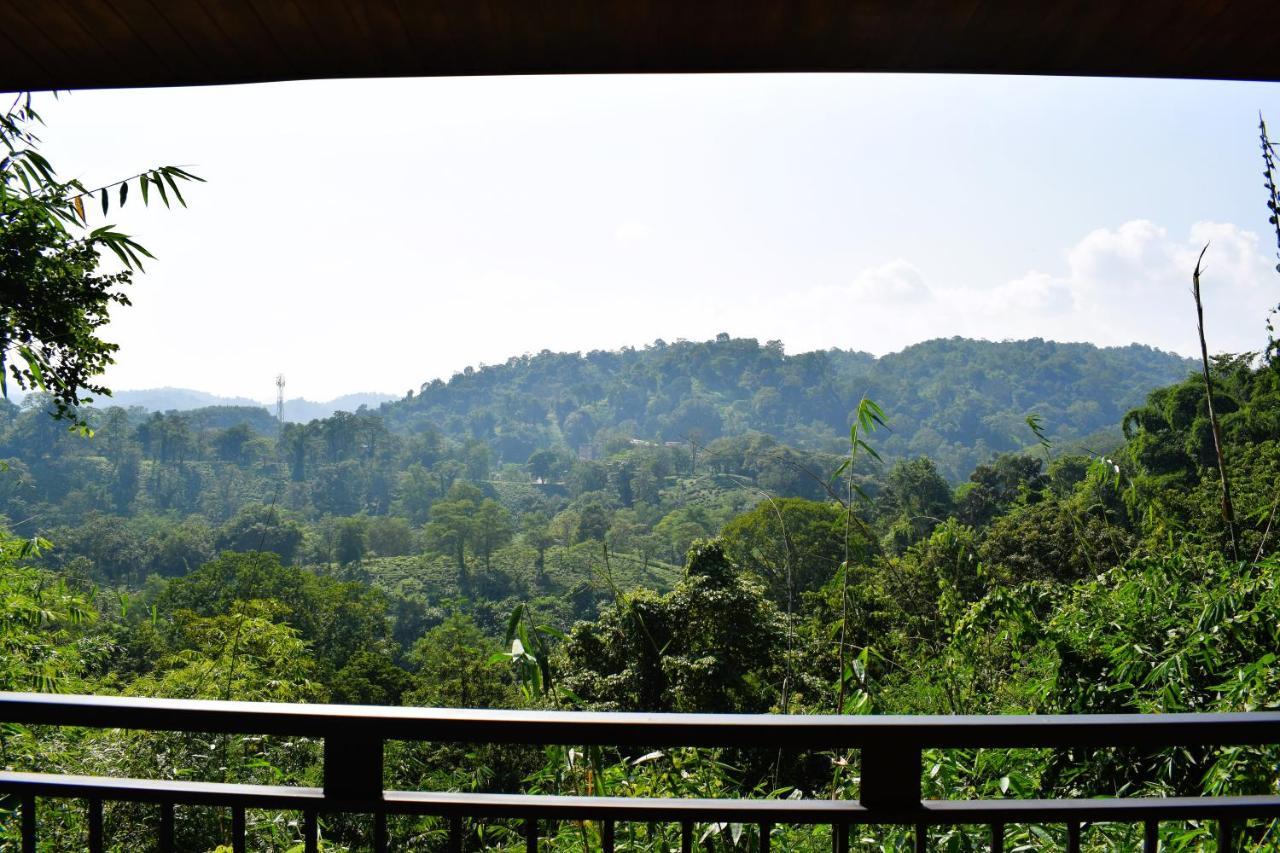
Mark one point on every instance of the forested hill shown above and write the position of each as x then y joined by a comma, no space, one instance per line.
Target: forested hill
955,400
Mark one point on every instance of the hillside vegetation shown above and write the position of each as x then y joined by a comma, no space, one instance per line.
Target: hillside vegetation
956,401
619,560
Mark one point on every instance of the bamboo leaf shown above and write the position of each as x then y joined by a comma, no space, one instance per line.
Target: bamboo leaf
175,189
164,196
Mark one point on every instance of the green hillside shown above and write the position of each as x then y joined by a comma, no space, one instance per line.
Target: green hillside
957,401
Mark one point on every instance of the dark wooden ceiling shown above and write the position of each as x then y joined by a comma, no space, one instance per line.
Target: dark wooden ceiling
69,44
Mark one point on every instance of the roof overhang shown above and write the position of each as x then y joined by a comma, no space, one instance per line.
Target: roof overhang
72,44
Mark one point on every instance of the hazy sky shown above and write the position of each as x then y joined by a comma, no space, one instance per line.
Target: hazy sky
372,235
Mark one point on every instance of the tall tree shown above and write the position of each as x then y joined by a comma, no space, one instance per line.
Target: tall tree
53,297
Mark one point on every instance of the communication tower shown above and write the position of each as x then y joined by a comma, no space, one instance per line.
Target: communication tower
280,401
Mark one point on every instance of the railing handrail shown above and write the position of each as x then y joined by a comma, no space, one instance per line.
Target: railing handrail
890,765
818,731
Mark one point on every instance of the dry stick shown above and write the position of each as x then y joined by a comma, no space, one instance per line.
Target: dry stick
1267,531
1228,511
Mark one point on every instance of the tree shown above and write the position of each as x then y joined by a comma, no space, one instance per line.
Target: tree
455,668
350,539
261,528
53,298
450,528
794,545
389,536
369,679
490,529
337,619
545,465
230,443
578,428
993,487
708,646
915,500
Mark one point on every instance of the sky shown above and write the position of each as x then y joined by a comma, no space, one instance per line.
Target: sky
375,235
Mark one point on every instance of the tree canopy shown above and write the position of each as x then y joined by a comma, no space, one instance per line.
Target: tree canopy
54,297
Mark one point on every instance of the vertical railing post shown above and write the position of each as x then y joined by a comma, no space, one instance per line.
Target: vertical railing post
455,834
890,776
29,824
166,828
353,767
1151,837
238,829
96,842
310,832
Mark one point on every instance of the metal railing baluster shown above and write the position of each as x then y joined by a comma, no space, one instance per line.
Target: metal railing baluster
1073,837
997,838
1151,836
311,832
166,828
380,844
1226,836
237,829
455,835
606,836
95,826
686,837
922,838
840,838
531,835
766,829
29,824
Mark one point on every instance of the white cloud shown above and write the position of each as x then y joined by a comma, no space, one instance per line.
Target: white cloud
1133,283
1120,285
894,283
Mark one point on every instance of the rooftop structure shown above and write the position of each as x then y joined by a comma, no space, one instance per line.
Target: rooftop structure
69,44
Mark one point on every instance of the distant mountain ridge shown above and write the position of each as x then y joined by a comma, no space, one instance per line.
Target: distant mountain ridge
296,410
956,400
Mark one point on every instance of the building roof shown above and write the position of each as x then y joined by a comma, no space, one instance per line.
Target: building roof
69,44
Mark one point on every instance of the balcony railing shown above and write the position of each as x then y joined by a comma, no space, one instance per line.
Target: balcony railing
891,747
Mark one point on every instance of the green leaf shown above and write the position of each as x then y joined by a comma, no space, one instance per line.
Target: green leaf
174,187
124,192
164,196
33,365
142,184
552,632
105,202
870,451
512,621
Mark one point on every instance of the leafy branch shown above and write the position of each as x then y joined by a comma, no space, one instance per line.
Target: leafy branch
54,298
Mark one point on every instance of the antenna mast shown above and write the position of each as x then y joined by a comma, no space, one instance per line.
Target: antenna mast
280,401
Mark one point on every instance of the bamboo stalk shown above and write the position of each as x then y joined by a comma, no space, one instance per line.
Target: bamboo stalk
1228,510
